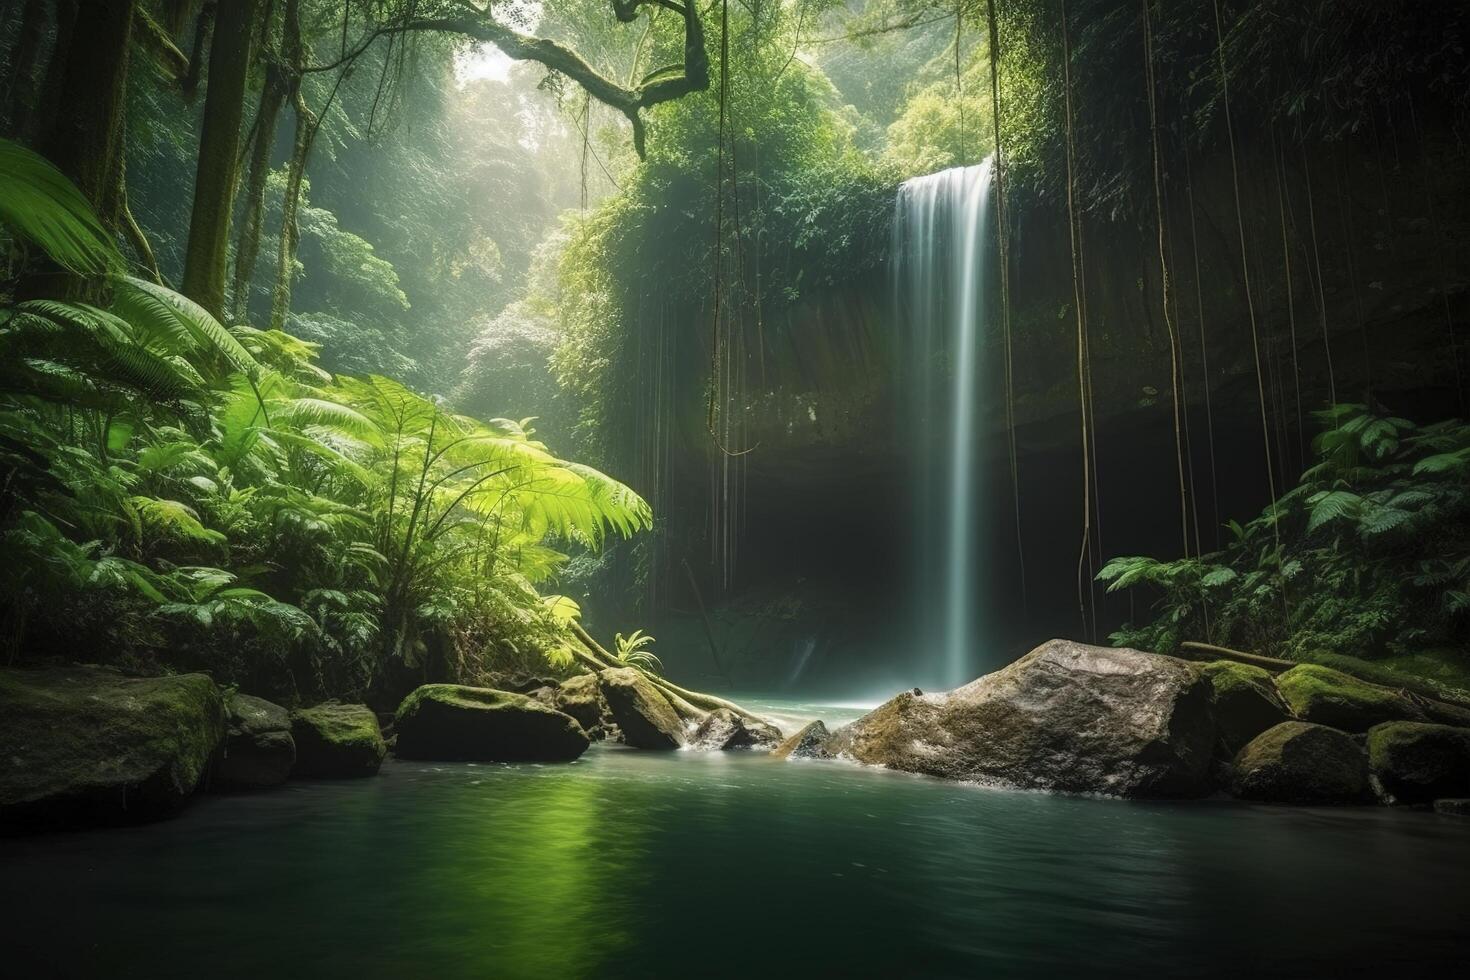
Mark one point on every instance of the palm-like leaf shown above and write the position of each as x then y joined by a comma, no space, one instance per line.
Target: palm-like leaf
40,205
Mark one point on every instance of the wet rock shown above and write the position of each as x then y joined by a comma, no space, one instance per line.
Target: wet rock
644,715
1329,697
87,745
581,697
808,743
1303,763
335,741
1453,808
724,730
258,750
1066,717
1416,763
452,722
1246,703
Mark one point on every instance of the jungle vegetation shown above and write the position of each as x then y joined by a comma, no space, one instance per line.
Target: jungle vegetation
298,296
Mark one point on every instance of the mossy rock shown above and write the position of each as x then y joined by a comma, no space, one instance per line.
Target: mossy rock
1246,703
88,745
258,749
1329,697
335,741
641,711
1302,763
808,743
581,697
1413,762
452,722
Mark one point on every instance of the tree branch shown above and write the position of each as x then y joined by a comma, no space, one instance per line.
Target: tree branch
664,85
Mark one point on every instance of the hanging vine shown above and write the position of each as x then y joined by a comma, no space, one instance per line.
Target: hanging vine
1250,303
1003,233
1169,325
1084,395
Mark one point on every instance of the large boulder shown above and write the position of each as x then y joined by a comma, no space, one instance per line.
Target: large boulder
1246,703
258,750
1419,763
1329,697
724,730
808,743
87,745
335,741
1065,717
644,715
448,721
1298,762
581,697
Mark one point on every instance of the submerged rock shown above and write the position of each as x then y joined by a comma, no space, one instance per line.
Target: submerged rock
1066,716
724,730
581,697
335,741
1246,703
87,745
1329,697
808,743
640,710
258,750
1299,762
451,722
1417,763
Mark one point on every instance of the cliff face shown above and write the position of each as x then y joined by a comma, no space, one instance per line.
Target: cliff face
1357,272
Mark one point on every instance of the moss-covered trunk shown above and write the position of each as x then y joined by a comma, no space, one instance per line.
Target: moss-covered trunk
219,155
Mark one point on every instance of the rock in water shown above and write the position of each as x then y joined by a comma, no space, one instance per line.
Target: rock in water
581,697
448,721
337,740
1246,703
1066,717
1418,763
809,743
724,730
642,712
87,745
1453,808
1329,697
1298,762
258,750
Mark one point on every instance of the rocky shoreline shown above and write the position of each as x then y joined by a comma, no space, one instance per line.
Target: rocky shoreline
86,745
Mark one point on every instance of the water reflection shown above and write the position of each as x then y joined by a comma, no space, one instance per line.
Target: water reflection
641,864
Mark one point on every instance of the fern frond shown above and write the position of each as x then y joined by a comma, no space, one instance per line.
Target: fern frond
40,205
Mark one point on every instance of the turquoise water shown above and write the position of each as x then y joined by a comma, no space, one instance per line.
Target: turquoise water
693,865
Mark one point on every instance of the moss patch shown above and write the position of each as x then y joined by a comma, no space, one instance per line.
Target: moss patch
1329,697
450,721
1246,703
1418,763
91,745
1297,762
337,740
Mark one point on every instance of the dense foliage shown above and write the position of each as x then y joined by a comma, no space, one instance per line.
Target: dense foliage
210,496
1368,556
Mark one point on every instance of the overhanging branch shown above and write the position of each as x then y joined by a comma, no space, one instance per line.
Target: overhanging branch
664,85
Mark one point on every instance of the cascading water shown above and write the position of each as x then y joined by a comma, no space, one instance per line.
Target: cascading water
940,225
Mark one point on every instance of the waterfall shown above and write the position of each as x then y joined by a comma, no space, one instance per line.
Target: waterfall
940,226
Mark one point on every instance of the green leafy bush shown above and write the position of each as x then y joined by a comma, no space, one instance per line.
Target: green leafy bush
1368,556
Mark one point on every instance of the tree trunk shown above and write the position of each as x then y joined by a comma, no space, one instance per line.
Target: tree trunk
23,94
272,98
86,137
290,207
215,182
